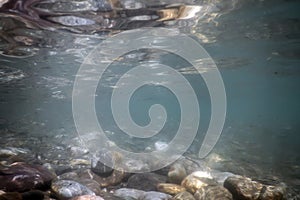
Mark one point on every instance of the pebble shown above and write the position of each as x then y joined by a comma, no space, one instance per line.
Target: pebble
212,193
155,196
66,189
184,196
129,193
244,188
145,181
170,188
19,177
87,197
176,173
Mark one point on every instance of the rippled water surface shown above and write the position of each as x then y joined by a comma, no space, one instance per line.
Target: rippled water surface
255,45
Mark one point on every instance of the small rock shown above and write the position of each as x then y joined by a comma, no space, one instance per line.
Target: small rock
155,196
97,165
244,188
116,178
145,181
129,193
66,189
78,151
176,173
87,197
184,196
170,188
21,177
197,180
212,193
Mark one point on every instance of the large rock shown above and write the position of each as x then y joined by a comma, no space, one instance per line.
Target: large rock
243,188
21,177
145,181
212,193
66,189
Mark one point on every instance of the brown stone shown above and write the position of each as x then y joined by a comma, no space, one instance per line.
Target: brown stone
170,188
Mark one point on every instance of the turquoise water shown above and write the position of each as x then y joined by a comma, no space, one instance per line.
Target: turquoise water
255,44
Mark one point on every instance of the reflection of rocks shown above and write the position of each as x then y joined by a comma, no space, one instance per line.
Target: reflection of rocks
170,188
212,193
146,181
245,189
184,196
21,177
65,189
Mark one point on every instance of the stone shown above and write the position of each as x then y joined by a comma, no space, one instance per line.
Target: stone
66,189
77,151
176,173
11,196
152,195
244,188
145,181
220,177
184,196
197,180
87,197
97,165
114,179
170,188
33,195
21,177
212,193
129,193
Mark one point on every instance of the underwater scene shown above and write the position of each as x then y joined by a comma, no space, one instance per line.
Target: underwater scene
149,100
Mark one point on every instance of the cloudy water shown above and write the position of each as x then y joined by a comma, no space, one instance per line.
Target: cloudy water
254,44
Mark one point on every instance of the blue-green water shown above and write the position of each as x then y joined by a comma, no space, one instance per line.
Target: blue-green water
255,44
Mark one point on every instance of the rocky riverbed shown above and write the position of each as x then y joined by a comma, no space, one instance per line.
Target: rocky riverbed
59,168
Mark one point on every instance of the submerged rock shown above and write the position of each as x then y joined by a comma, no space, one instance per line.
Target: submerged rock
87,197
244,188
155,196
176,173
170,188
145,181
197,180
21,177
116,178
212,193
129,193
66,189
184,196
11,196
97,165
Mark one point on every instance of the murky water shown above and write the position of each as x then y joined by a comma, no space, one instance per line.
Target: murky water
255,44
